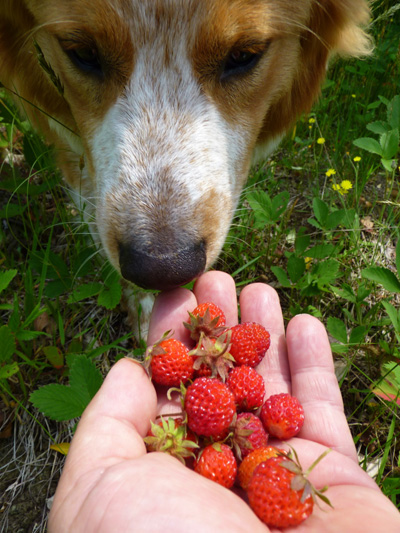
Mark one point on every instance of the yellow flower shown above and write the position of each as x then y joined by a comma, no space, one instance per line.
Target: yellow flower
311,120
357,158
308,261
343,187
354,96
330,172
320,140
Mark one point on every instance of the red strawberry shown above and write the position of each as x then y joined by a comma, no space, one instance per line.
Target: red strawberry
217,462
252,460
248,434
171,436
282,416
169,363
247,386
210,407
249,343
206,318
280,494
212,358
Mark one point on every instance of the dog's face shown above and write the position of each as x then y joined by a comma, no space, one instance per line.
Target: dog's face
169,100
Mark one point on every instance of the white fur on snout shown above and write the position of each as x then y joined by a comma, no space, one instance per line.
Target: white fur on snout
165,142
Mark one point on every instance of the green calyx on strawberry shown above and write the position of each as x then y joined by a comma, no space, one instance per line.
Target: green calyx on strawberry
170,436
207,319
168,362
280,493
212,356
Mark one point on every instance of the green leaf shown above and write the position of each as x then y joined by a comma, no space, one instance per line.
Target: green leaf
12,210
379,127
369,144
384,276
85,291
84,375
345,292
6,277
389,164
357,335
54,356
110,296
326,271
321,210
281,276
296,267
59,402
320,251
398,257
9,370
335,218
393,112
393,314
337,328
390,144
7,344
302,242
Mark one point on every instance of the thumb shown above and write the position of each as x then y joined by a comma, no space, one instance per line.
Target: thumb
114,424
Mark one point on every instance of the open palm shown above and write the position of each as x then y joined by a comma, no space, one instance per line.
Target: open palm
110,484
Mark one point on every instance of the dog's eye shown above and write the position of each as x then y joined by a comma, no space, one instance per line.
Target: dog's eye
239,62
86,59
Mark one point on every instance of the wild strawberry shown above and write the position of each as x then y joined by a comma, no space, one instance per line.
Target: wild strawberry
170,436
217,462
282,416
212,358
252,460
206,318
248,434
210,407
280,494
247,386
169,363
249,343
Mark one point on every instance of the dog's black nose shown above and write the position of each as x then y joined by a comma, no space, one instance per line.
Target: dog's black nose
162,271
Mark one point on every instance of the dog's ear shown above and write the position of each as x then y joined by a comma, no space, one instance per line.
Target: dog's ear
334,27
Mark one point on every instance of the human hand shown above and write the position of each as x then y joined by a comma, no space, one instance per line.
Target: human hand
110,484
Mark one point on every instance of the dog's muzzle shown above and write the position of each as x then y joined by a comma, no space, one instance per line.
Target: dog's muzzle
155,269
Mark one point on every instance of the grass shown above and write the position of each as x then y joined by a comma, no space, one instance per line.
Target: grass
319,221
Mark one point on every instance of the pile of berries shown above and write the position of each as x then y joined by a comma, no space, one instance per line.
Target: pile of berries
226,422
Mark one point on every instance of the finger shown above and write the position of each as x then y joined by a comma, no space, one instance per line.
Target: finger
315,385
113,425
260,303
218,288
169,312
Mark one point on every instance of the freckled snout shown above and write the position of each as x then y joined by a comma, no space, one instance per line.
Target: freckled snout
162,269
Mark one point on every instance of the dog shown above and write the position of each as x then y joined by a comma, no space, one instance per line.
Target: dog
158,108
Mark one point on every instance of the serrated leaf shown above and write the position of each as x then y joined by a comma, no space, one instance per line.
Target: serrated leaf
281,276
389,164
57,287
25,335
345,292
337,328
296,267
302,242
7,343
6,277
357,335
326,271
384,276
12,210
379,127
369,144
320,251
59,402
110,296
85,291
335,218
84,375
